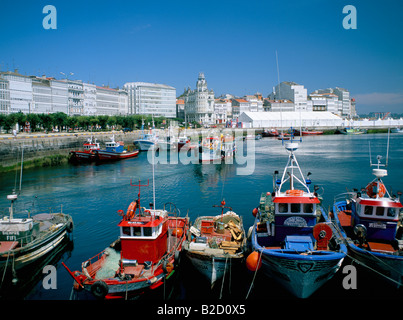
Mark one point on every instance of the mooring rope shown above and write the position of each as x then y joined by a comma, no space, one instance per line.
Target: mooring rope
254,275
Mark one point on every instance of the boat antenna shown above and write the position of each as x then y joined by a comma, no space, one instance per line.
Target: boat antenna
139,185
153,150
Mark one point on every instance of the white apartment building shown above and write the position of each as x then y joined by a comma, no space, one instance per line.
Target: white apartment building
60,96
42,96
344,104
199,103
19,92
239,106
151,98
279,105
222,110
255,103
291,91
324,102
90,99
4,97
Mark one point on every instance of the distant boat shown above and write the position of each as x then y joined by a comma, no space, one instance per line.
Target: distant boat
311,132
292,239
88,154
352,131
115,151
216,148
217,244
396,130
270,133
146,140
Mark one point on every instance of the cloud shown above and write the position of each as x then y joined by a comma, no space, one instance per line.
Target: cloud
379,98
140,28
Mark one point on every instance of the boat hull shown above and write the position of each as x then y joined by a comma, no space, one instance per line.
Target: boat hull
21,257
144,145
213,268
83,156
108,155
302,275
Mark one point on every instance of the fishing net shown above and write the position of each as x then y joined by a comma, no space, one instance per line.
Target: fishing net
110,266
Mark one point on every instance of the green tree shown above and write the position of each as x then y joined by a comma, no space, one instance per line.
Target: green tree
102,120
72,122
33,120
59,120
46,121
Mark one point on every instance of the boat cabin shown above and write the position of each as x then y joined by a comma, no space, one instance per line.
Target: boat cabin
113,146
294,215
379,216
144,237
91,146
19,231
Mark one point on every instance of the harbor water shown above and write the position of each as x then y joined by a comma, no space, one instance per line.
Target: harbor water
93,193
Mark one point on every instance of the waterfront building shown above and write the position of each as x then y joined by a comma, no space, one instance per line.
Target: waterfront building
199,103
285,120
255,102
343,95
292,91
60,95
222,110
180,108
19,92
239,106
278,105
90,99
324,102
4,97
75,97
41,95
151,99
110,101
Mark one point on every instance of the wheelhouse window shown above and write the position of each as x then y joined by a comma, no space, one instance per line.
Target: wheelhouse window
379,211
126,231
368,210
147,231
308,207
295,207
137,231
283,207
392,212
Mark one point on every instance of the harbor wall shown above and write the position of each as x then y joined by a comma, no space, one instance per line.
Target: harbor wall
47,145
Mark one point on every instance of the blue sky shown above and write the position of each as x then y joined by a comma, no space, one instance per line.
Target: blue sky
233,42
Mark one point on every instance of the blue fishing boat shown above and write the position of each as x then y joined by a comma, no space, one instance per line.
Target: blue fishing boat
146,140
114,150
293,239
372,226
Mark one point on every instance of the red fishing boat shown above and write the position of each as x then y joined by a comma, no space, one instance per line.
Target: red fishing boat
88,154
311,132
141,259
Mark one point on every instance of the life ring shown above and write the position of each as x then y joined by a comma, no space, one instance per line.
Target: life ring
381,190
131,210
99,289
294,192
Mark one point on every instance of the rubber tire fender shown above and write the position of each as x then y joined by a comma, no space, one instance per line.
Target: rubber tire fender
99,289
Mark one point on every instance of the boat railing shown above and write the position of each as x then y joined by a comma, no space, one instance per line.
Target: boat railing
346,196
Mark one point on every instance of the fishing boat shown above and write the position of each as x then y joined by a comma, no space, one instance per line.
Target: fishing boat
352,131
216,148
114,150
88,154
143,258
372,226
27,239
217,244
146,140
396,130
311,132
292,239
270,133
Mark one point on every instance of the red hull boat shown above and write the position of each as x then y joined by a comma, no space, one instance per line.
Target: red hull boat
146,253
